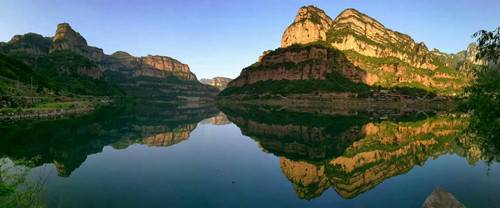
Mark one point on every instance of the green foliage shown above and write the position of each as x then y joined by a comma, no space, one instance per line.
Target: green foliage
58,72
488,45
15,189
335,82
16,70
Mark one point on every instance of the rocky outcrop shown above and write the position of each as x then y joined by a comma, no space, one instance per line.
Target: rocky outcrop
307,63
471,54
68,55
311,24
217,82
441,198
373,55
353,30
149,66
31,44
68,39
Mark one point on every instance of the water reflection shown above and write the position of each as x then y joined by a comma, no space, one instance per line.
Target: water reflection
352,152
318,151
67,143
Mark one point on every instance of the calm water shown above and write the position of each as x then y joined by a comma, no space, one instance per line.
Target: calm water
160,155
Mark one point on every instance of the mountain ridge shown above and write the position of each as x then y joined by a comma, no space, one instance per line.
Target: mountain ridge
381,57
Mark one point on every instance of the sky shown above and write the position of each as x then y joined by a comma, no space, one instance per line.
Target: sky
220,37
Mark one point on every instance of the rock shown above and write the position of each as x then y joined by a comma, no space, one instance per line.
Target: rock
368,52
150,66
440,198
164,64
308,63
66,38
311,24
217,82
30,44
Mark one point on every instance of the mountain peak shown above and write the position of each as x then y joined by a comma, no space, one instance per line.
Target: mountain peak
312,13
65,33
310,24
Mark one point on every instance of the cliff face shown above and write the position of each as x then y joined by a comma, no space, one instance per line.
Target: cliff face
376,55
30,43
217,82
150,66
311,24
68,39
310,63
67,54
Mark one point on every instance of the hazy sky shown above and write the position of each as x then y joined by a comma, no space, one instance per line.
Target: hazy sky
220,37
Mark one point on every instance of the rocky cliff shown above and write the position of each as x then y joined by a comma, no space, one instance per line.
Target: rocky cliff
375,55
311,24
217,82
150,66
66,60
66,38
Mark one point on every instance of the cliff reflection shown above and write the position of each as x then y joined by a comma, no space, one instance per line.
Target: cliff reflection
67,143
351,152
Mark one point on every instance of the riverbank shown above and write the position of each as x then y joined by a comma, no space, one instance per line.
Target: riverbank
54,108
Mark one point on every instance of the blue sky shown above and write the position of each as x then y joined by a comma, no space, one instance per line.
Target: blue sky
220,37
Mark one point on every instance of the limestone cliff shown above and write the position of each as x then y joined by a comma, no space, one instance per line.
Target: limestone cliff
217,82
31,43
150,66
66,38
298,63
67,58
311,24
375,55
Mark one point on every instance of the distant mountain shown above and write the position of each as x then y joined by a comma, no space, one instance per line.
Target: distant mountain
352,53
218,82
66,63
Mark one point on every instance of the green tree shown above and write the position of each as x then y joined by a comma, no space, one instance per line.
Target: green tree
483,96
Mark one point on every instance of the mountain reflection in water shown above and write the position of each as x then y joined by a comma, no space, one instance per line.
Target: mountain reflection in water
67,143
352,152
313,152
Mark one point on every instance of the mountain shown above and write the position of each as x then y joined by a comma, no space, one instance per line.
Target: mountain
351,53
66,64
218,82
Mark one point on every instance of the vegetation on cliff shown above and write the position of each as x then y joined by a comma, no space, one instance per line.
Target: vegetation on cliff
370,55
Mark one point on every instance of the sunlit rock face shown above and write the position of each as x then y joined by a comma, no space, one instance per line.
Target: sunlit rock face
150,66
217,82
308,63
371,54
311,24
353,30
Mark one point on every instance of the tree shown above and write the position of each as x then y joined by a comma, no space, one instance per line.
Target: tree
483,100
488,45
